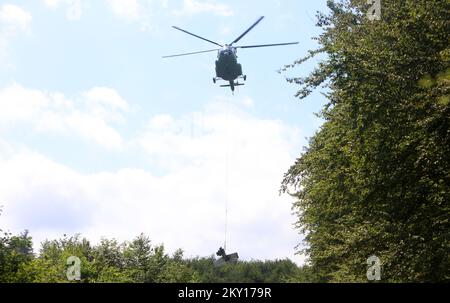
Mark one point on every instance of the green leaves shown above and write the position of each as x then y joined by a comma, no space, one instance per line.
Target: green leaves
375,180
137,261
109,261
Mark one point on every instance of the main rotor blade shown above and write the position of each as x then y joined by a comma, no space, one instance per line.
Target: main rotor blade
267,45
246,32
197,36
194,53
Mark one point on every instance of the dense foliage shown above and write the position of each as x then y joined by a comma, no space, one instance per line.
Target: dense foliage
375,179
137,261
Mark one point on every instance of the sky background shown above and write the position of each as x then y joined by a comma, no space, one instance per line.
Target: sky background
101,136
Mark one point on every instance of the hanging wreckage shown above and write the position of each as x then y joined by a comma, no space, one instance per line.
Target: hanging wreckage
225,259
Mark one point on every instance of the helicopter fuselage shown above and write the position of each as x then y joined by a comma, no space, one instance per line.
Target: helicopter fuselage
227,66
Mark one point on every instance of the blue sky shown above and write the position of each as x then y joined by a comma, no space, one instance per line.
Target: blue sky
99,135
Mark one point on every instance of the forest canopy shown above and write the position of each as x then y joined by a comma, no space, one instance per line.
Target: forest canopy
375,179
136,261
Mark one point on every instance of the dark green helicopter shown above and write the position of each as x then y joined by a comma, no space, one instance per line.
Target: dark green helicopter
227,67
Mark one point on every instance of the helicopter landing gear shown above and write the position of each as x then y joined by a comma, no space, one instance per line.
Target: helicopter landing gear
214,80
245,77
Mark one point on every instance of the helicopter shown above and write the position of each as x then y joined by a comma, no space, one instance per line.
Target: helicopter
227,66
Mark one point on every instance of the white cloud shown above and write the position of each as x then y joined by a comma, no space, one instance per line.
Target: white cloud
142,12
105,103
161,122
248,102
137,11
207,158
52,3
87,117
164,3
94,129
208,136
13,21
74,8
15,18
105,96
129,10
192,7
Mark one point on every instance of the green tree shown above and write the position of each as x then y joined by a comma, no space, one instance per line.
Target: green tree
14,251
375,179
277,271
55,254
